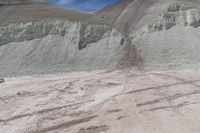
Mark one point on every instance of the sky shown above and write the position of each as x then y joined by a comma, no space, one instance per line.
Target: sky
83,5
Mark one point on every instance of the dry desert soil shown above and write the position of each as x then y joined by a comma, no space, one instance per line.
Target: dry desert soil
110,101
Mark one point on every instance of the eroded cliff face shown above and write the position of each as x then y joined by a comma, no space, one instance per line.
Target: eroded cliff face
171,40
176,14
165,33
37,37
58,46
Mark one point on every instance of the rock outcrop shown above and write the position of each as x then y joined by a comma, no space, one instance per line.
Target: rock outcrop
58,46
176,14
171,39
37,37
164,32
41,38
2,80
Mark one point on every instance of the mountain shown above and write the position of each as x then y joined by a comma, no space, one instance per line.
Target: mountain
131,15
41,42
38,37
165,33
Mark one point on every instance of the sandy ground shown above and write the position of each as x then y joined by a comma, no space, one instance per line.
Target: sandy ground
120,101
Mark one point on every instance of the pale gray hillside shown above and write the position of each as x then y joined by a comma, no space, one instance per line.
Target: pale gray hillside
164,32
37,37
130,15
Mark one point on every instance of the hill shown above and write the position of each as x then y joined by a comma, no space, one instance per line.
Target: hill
164,32
38,37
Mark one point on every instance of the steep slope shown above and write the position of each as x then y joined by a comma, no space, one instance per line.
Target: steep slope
113,11
130,15
37,37
164,32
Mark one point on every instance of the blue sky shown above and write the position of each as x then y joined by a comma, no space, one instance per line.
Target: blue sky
83,5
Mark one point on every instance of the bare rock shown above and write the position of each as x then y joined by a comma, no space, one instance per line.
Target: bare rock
2,80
